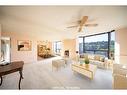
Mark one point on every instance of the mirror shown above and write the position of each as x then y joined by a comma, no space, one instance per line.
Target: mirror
5,50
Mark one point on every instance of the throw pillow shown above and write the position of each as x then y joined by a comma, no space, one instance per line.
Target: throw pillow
102,59
97,57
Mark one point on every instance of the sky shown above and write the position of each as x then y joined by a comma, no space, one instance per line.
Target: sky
98,38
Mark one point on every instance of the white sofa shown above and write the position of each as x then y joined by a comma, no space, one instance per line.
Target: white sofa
120,76
99,60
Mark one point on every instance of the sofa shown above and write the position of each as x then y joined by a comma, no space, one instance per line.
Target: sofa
120,76
99,60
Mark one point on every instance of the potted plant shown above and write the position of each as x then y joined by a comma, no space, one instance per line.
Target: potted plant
86,62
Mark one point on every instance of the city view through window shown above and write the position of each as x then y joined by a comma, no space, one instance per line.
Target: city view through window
102,44
57,47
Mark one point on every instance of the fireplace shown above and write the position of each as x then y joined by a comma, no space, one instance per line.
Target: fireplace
66,53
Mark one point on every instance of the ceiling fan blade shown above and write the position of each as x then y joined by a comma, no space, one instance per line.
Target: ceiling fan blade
90,25
72,26
78,22
80,29
83,21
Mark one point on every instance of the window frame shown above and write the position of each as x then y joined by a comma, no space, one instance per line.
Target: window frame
56,49
108,38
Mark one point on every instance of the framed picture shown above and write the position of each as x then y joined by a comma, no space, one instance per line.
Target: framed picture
24,45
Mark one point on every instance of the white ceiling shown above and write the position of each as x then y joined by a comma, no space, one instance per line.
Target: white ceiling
51,22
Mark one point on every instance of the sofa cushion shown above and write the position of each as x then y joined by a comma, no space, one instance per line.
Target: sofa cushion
98,63
91,57
97,57
102,59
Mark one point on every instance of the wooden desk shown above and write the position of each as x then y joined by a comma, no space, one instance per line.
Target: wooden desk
11,68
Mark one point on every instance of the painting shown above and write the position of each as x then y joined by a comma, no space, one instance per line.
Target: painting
24,45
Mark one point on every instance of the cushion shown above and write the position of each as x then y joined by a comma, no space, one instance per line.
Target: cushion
102,59
97,57
91,57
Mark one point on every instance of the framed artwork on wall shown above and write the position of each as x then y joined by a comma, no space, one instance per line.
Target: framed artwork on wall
24,45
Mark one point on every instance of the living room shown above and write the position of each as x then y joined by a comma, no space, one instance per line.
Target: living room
41,39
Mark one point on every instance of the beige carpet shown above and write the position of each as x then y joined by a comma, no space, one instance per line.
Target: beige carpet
40,76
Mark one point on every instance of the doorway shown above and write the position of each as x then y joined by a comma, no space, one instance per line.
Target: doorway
5,50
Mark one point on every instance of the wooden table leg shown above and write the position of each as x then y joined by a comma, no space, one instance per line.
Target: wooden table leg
21,77
1,80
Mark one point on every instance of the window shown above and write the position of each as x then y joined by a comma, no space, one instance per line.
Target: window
102,44
80,40
97,44
112,45
57,47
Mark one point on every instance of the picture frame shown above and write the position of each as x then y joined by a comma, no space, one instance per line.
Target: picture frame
24,45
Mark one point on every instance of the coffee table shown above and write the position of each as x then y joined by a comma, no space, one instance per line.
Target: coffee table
87,70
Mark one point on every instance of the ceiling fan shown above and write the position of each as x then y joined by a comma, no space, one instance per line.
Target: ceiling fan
82,23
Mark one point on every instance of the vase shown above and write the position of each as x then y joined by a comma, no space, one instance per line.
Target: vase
87,65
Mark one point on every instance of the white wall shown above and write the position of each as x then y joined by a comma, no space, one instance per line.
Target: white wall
69,44
121,46
26,56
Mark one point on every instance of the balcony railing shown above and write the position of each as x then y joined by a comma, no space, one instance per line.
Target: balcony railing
100,52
